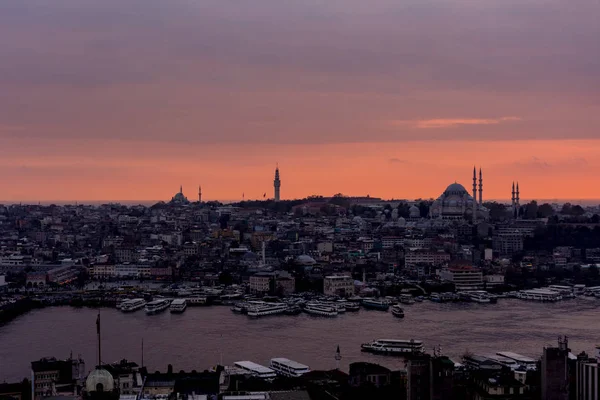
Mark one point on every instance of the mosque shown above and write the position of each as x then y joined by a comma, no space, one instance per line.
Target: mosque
457,204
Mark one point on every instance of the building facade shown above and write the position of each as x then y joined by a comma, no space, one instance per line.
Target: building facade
338,285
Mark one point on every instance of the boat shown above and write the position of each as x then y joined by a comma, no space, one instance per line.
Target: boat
156,306
479,297
289,368
197,301
293,310
262,310
239,308
352,306
393,347
178,306
375,304
407,299
435,297
397,311
133,305
419,299
321,310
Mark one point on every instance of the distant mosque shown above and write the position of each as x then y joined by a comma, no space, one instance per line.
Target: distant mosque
277,185
179,198
457,204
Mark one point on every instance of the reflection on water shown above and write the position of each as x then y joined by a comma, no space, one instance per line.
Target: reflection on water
200,337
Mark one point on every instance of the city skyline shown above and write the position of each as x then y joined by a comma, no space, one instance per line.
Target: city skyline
125,101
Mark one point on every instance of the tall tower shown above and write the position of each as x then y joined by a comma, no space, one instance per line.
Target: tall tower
518,200
199,194
513,207
480,188
474,195
277,184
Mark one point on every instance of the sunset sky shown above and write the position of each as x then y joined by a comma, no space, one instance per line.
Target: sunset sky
128,99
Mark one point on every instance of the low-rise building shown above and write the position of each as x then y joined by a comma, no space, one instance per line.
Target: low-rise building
414,257
463,277
338,285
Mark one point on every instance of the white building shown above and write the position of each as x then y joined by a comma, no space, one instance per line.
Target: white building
415,257
464,278
588,378
338,285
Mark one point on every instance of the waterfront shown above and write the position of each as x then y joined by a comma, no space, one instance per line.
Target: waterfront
200,337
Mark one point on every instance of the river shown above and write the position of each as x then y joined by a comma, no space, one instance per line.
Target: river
202,337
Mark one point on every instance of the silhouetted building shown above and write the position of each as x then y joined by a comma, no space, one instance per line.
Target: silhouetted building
362,373
588,377
52,376
418,377
555,371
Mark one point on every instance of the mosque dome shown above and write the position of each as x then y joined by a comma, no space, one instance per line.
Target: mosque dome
305,260
99,380
455,188
414,211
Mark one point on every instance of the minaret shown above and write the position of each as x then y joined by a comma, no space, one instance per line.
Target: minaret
513,201
180,188
338,357
518,200
277,184
199,194
474,195
480,188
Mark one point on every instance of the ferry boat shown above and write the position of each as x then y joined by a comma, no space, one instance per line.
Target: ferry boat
197,301
407,299
478,297
435,297
293,310
267,309
375,304
352,306
397,311
257,370
156,306
393,347
321,310
289,368
240,308
133,305
178,306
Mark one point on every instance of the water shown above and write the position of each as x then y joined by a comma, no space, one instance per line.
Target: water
202,337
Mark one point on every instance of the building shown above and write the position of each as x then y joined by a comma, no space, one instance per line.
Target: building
463,277
455,203
338,285
555,371
367,373
277,185
507,242
51,376
588,377
429,257
279,282
418,378
179,198
126,376
62,275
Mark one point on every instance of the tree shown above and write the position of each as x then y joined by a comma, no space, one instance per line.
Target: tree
577,211
566,209
531,210
595,219
545,211
498,212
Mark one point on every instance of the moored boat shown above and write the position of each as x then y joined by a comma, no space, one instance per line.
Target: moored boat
132,305
156,306
397,311
178,306
320,310
393,347
374,304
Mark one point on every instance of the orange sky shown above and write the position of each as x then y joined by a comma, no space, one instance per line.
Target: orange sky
126,101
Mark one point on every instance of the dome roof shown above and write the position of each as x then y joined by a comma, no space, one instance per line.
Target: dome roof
99,380
456,188
305,260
